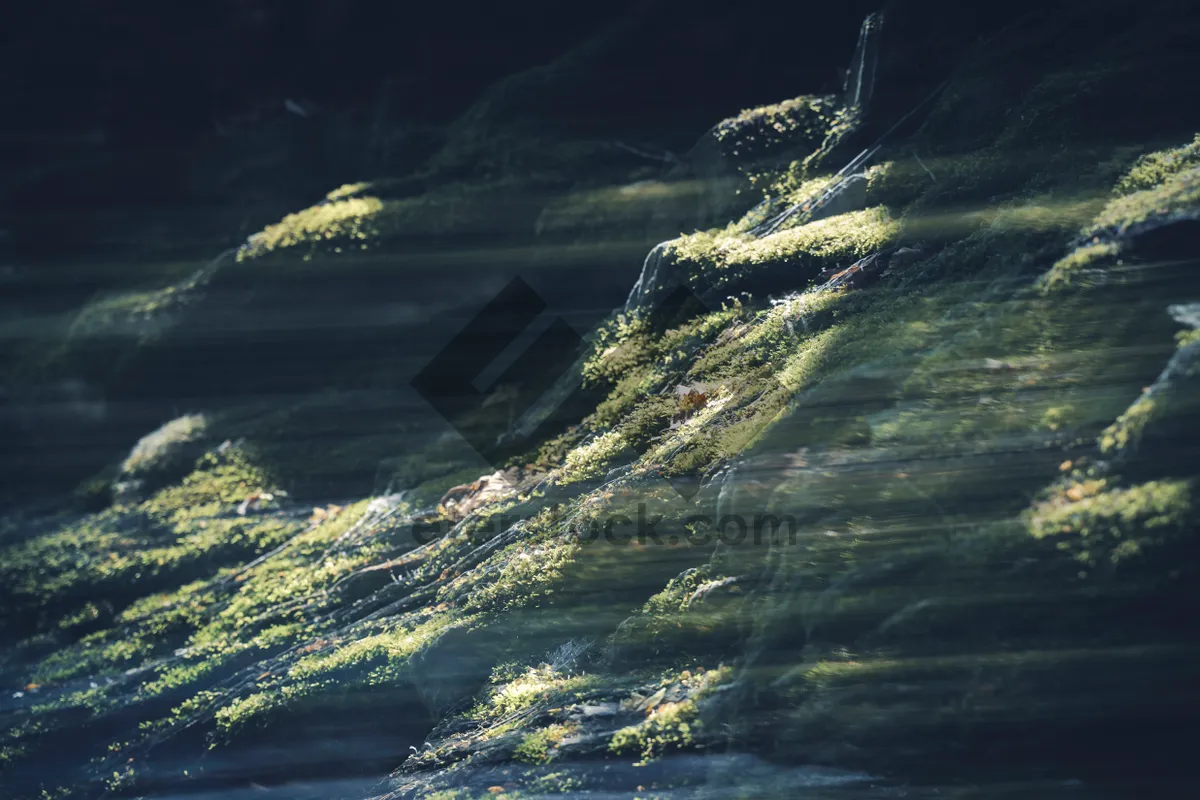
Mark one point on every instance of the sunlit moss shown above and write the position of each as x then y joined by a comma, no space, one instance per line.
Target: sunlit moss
787,187
1177,195
219,482
237,714
1161,187
523,574
156,451
1067,269
590,460
1101,524
537,747
619,345
1127,429
392,646
355,222
534,686
778,119
670,726
636,366
895,184
800,123
349,190
1153,169
846,237
870,407
349,219
198,520
371,660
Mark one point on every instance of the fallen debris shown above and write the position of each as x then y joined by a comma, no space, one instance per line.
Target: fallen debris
320,515
255,501
689,399
867,271
461,500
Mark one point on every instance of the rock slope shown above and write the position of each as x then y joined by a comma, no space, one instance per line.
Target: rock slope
884,484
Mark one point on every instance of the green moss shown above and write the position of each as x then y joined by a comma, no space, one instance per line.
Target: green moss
1178,194
166,451
133,316
676,595
635,366
1153,169
181,528
365,660
349,190
721,260
393,647
670,726
535,686
591,459
256,611
523,574
563,783
1079,261
800,123
1160,187
219,482
240,712
619,345
697,611
537,747
1127,429
896,184
1099,523
353,221
886,417
626,210
349,220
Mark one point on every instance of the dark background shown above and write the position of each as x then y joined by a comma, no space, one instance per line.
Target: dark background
152,71
139,139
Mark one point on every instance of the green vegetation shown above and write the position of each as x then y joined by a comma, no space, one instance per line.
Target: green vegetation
671,725
723,261
154,449
1153,169
537,747
972,465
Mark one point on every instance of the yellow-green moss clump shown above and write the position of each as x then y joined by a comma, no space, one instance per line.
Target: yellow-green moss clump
537,747
353,221
190,526
1177,195
799,123
540,686
1161,188
1100,524
673,725
345,220
718,261
156,450
1154,169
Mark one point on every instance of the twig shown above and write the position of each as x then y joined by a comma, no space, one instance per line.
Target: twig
859,161
927,170
809,206
666,155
